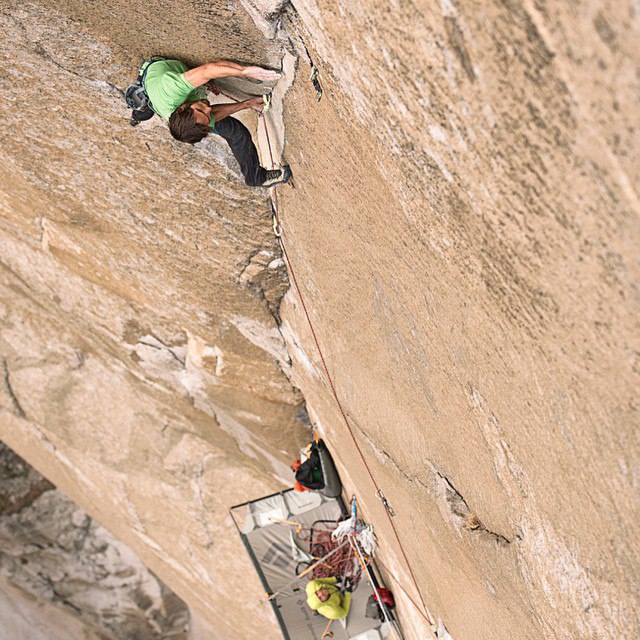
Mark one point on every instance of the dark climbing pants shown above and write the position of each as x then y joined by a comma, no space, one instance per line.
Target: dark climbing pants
243,149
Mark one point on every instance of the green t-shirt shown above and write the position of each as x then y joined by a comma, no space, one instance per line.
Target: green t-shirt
167,89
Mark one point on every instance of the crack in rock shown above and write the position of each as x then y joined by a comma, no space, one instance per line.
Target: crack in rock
266,15
56,596
154,343
17,407
460,510
460,515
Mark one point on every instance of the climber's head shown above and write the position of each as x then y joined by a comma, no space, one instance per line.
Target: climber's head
190,122
323,594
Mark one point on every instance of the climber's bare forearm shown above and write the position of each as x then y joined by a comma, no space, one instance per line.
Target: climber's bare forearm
226,69
211,71
221,111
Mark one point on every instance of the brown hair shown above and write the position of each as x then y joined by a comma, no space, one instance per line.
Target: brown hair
183,125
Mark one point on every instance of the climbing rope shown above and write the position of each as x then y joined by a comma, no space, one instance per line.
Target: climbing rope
378,491
320,542
277,226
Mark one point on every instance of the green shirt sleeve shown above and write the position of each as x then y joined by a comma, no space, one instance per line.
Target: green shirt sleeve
346,602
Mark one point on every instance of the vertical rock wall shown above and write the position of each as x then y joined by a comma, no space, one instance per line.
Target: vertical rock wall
470,266
141,365
463,229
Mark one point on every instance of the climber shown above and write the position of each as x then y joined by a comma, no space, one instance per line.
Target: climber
325,598
178,94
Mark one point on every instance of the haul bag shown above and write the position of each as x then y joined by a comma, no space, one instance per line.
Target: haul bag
309,473
332,484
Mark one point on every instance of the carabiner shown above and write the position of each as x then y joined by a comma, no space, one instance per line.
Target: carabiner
267,103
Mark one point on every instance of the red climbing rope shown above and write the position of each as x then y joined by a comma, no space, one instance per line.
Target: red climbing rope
378,491
379,494
343,562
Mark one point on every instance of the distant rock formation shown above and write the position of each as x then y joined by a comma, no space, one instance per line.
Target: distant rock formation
54,552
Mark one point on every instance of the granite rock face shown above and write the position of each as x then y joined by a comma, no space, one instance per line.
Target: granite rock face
463,230
474,285
142,369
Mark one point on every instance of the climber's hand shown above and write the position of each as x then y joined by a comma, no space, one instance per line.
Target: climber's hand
258,73
254,103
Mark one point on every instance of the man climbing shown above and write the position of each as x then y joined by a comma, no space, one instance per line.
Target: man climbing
325,598
178,94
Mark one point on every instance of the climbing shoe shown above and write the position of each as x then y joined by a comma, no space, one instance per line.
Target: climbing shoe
277,176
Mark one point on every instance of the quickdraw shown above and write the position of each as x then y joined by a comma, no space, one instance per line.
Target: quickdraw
385,503
277,229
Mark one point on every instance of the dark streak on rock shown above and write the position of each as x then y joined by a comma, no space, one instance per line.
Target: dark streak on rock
56,596
18,410
278,10
456,40
605,31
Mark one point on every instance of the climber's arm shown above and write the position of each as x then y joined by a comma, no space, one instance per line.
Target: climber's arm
220,111
323,581
226,69
342,610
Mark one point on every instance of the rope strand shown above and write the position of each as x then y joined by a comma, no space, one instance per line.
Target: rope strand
378,490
